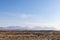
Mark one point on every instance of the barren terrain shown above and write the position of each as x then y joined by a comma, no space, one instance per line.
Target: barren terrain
30,35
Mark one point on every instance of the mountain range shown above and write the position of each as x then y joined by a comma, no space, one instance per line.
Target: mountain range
26,28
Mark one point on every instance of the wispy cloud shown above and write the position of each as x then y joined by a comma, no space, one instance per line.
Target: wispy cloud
19,15
24,15
33,25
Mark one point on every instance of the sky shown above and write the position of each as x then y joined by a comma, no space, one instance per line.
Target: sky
30,13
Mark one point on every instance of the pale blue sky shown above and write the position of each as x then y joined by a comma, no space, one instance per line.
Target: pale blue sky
30,12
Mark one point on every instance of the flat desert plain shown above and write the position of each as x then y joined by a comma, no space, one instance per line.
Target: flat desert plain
30,35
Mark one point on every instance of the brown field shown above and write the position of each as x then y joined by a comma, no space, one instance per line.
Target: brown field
29,35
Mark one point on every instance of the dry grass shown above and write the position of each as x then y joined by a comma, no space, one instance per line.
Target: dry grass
29,35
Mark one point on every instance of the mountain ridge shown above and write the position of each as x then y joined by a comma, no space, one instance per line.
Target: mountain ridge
26,28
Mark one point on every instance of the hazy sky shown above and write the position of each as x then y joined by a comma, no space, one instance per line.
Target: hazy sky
30,13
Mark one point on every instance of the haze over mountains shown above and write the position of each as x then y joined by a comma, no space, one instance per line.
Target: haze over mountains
26,28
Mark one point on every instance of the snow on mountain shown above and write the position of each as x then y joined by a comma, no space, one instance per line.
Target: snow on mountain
26,28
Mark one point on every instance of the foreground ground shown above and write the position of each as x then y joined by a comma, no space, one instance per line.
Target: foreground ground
30,35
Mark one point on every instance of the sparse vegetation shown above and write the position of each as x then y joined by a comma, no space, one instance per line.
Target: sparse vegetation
29,35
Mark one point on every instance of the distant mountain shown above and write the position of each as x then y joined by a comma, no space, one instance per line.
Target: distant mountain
43,28
26,28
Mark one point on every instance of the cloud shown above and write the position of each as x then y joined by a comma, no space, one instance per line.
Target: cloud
19,15
39,24
44,25
27,23
24,15
32,25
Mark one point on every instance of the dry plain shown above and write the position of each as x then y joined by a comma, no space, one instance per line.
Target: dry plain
30,35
